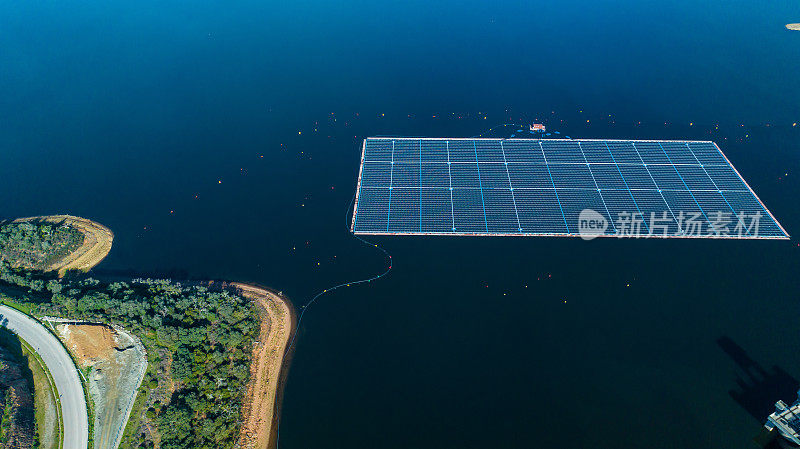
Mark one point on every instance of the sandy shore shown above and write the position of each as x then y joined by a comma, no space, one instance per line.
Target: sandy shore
261,405
793,26
96,243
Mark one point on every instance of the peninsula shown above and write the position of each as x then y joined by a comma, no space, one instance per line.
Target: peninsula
213,353
93,244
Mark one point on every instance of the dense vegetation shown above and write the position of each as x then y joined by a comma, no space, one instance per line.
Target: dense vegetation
199,344
16,395
36,245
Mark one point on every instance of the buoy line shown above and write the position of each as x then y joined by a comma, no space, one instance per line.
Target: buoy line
304,308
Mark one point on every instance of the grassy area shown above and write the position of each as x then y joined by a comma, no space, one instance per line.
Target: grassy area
45,400
45,397
24,308
128,439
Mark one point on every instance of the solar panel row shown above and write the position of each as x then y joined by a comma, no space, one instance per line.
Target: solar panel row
541,187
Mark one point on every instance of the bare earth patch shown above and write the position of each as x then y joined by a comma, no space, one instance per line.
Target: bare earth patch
260,405
118,363
96,243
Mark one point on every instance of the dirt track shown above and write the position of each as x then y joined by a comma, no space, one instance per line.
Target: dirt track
259,405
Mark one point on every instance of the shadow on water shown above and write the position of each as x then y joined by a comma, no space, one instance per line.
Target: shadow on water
176,274
759,389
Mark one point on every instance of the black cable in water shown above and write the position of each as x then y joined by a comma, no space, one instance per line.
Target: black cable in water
304,308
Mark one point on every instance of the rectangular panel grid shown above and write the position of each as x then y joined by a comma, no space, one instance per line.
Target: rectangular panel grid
530,187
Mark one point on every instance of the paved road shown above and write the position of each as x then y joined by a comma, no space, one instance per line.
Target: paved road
73,403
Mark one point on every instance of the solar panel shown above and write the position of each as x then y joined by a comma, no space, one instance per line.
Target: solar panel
555,187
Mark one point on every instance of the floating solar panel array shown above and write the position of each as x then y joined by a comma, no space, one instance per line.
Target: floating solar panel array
555,187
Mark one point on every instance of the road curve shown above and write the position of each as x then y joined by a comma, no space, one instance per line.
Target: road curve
58,361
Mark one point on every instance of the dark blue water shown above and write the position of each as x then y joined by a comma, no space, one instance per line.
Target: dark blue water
132,114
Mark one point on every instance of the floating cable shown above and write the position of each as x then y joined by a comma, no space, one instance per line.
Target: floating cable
304,308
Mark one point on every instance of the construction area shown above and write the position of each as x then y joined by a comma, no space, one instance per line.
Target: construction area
116,363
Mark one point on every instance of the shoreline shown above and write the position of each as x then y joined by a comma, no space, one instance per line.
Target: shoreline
97,242
270,366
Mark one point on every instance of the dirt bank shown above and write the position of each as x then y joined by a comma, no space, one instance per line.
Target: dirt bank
261,404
